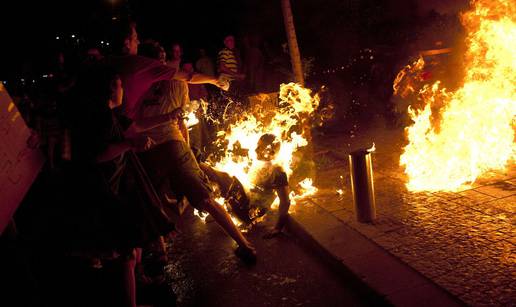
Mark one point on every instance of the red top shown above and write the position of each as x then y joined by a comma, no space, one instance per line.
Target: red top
138,73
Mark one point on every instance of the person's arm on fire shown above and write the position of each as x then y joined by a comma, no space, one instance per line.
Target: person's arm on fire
282,193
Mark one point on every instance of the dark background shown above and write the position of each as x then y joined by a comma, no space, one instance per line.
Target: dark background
330,31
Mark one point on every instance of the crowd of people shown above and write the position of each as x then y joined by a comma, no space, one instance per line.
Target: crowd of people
119,156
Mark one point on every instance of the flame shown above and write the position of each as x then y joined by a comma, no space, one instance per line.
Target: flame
192,108
403,84
306,188
201,215
460,135
244,134
222,201
240,159
275,203
372,149
192,120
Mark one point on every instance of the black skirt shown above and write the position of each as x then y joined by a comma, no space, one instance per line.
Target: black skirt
95,218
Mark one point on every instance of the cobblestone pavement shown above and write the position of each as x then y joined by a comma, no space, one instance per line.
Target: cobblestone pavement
465,241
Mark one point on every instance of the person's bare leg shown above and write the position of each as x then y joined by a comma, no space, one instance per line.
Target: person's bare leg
222,218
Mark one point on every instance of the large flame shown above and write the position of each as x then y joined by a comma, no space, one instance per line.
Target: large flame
285,122
460,135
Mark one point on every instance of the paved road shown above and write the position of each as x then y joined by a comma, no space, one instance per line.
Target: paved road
205,272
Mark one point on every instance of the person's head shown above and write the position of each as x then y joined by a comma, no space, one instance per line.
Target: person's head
176,52
162,55
267,147
188,67
131,43
229,41
125,37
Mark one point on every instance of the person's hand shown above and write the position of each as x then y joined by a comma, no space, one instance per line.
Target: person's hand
141,142
222,83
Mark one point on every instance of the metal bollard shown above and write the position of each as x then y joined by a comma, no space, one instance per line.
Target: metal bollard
362,186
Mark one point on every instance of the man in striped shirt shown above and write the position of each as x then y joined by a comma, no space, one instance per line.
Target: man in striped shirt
227,61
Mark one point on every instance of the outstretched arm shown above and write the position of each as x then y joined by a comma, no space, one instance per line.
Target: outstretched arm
194,78
197,78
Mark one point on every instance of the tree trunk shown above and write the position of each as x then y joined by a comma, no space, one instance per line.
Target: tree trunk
306,168
295,57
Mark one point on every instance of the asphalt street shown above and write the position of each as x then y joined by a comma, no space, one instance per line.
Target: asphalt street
204,271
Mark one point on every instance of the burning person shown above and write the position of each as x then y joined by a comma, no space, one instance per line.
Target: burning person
270,180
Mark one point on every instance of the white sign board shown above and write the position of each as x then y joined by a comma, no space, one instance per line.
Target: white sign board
19,164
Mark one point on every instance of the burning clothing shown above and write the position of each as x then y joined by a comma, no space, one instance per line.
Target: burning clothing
268,178
248,205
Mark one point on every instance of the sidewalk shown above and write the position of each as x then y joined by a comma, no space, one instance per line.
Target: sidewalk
424,249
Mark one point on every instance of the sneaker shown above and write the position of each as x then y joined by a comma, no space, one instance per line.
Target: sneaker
246,254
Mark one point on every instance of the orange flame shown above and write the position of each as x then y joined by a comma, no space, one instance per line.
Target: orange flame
475,124
295,102
192,120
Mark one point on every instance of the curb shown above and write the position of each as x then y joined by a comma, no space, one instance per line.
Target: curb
380,275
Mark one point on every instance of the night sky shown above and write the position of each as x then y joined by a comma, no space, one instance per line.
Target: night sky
29,28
